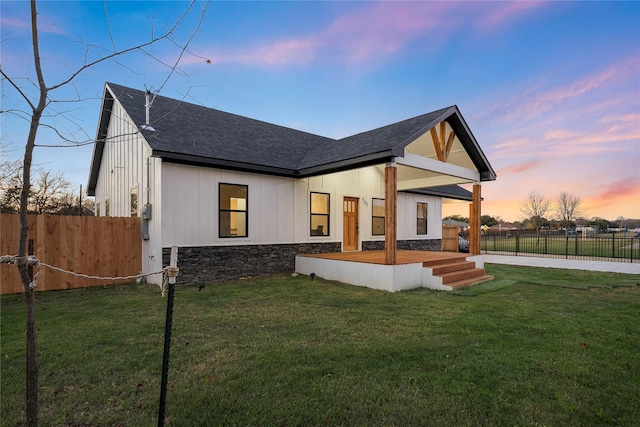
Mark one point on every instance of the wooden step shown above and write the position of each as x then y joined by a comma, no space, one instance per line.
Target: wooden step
456,276
470,282
444,261
456,272
456,266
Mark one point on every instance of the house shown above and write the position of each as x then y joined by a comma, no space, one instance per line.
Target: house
463,226
506,227
242,197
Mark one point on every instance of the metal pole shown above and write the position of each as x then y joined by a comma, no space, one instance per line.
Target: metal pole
167,338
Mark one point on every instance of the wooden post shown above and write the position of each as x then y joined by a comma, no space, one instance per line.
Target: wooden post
390,214
472,234
475,218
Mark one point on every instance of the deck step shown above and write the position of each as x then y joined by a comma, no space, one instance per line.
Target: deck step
456,276
451,267
470,282
445,261
457,272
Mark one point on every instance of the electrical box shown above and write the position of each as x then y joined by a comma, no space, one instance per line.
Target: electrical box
146,212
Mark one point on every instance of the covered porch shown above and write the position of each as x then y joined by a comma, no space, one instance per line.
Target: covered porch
412,269
428,151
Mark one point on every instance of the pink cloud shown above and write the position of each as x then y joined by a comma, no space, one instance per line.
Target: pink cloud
385,28
519,168
45,24
507,13
375,32
278,53
536,102
14,23
622,194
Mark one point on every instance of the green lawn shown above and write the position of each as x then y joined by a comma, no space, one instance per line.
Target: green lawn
534,347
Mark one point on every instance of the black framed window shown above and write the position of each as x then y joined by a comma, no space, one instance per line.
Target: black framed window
319,214
422,218
377,217
234,209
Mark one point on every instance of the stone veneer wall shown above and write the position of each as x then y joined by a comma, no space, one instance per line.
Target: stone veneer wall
220,263
433,245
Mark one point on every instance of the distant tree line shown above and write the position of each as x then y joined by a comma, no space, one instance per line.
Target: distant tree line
49,193
538,213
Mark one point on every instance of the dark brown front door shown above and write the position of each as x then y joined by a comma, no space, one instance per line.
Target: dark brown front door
350,224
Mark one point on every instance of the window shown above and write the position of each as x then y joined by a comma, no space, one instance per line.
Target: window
106,207
319,214
233,210
97,208
134,201
377,217
422,218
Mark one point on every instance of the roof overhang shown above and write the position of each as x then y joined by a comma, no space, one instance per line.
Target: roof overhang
101,135
349,164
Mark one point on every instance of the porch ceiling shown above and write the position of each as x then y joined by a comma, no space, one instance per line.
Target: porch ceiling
420,167
416,172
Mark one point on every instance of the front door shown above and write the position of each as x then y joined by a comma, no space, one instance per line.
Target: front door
350,224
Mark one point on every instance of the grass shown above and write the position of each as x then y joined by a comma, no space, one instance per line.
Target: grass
533,347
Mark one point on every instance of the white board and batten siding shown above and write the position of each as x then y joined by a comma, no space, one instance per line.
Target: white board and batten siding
278,207
190,206
124,167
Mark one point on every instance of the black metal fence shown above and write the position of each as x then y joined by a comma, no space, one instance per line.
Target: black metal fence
604,247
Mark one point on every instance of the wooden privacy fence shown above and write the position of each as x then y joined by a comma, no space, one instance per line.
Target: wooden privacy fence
95,246
450,238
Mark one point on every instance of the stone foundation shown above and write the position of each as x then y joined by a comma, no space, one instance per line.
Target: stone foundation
433,245
219,263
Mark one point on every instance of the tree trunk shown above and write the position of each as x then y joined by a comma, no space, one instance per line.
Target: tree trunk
30,298
32,362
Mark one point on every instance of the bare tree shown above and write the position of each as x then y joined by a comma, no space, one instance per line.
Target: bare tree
567,209
37,106
49,187
10,186
44,193
534,209
73,204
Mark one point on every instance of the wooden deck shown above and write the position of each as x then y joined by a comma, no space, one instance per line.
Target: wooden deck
413,269
402,256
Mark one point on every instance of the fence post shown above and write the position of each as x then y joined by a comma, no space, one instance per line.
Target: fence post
167,338
517,243
613,245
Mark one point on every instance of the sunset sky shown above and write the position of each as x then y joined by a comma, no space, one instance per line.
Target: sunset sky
551,90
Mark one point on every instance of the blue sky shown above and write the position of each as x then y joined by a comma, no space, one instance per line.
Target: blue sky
551,90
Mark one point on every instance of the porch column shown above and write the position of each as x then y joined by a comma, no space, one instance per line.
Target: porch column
390,212
475,218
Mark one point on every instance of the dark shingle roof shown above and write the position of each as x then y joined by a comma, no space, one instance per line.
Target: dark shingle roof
194,134
186,129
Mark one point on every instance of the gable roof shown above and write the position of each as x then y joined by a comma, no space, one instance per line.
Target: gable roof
193,134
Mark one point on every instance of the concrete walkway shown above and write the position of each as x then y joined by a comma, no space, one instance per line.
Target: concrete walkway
571,264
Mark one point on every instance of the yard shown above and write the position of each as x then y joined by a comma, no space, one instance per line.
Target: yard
533,347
